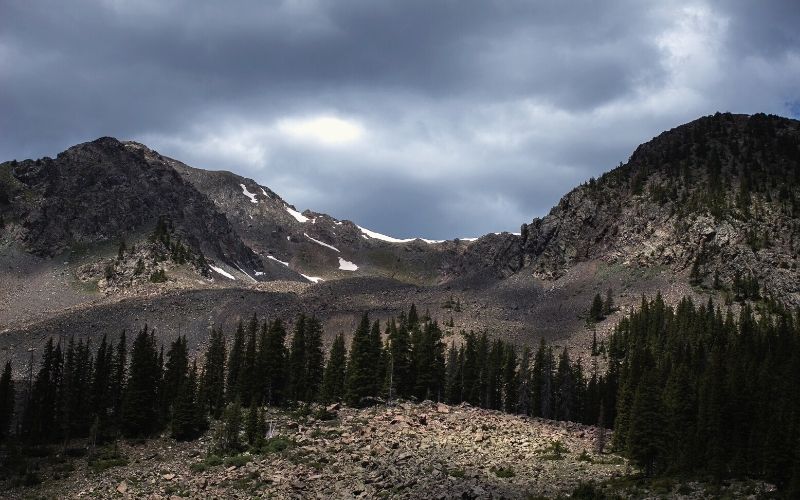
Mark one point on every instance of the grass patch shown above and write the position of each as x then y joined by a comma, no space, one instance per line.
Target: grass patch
238,460
106,458
275,444
503,472
554,451
459,473
207,463
585,457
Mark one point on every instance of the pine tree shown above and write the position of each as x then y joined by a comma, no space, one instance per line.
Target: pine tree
140,402
596,309
510,381
646,443
315,359
213,382
430,363
297,361
235,361
453,378
175,376
274,355
187,419
6,401
361,366
119,374
252,427
400,358
249,376
40,422
333,386
470,374
228,439
524,383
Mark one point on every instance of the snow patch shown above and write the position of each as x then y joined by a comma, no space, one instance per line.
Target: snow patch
297,215
313,279
259,273
391,239
223,272
321,243
346,265
278,261
243,272
265,193
247,193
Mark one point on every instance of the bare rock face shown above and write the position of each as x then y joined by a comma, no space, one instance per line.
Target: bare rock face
717,197
106,190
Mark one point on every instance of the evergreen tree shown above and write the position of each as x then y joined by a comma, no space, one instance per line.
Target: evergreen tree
453,377
140,402
235,361
361,365
596,309
646,442
6,401
249,376
315,359
119,374
298,368
524,406
228,439
187,420
175,376
400,358
253,424
430,363
213,381
333,386
274,355
510,381
40,423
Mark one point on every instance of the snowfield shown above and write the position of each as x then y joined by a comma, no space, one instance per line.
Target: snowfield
247,193
390,239
223,272
346,265
278,261
297,215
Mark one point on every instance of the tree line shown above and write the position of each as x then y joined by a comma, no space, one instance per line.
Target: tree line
687,390
701,391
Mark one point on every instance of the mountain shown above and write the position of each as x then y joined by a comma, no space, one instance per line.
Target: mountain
708,209
716,197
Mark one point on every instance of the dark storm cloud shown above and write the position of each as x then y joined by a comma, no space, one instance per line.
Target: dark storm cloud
429,118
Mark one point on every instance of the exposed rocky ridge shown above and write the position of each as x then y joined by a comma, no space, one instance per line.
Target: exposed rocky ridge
718,195
104,191
280,234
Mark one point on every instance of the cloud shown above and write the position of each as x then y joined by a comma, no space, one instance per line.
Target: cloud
415,118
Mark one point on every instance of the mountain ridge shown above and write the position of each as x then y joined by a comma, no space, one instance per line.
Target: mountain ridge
675,218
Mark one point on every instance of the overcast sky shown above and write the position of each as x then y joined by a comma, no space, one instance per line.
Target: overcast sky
426,118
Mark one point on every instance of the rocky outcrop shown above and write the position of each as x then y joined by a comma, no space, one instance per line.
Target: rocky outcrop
717,198
105,191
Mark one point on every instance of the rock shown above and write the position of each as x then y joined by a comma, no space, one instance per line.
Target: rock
442,408
168,477
122,487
